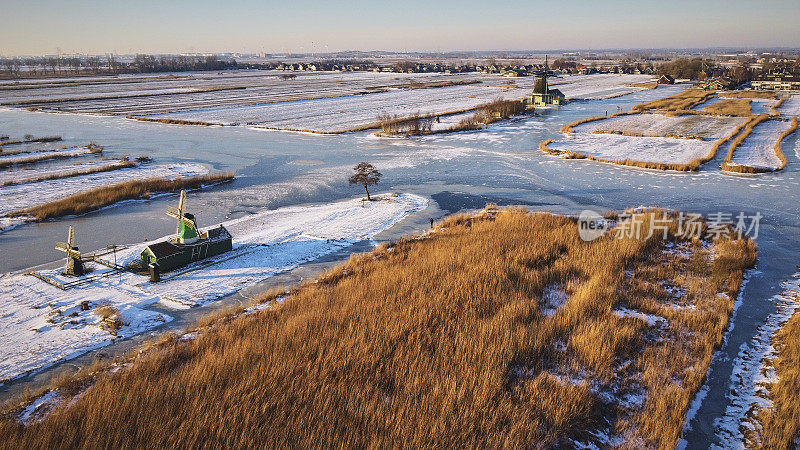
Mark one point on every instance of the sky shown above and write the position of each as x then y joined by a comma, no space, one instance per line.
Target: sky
36,27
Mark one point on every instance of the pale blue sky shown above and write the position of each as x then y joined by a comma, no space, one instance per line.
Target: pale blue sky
39,27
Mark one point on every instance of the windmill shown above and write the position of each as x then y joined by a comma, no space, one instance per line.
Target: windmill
186,230
74,265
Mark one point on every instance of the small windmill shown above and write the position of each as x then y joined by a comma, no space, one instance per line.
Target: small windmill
74,265
186,231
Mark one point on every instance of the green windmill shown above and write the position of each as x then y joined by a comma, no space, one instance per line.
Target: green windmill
186,231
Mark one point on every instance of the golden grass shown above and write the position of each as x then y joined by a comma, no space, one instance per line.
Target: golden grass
107,195
36,157
123,164
749,94
742,134
685,100
433,342
730,107
780,424
774,110
645,84
778,150
172,121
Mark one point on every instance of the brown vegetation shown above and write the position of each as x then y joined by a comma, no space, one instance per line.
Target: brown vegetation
779,423
489,113
778,150
169,121
107,195
685,100
438,342
730,107
749,94
774,110
645,84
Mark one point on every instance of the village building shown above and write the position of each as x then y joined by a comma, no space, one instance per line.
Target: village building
777,82
666,79
718,84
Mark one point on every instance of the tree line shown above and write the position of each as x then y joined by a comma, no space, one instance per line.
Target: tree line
141,63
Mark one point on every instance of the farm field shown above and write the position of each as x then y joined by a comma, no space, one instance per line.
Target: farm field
619,148
680,132
758,149
660,125
43,324
319,102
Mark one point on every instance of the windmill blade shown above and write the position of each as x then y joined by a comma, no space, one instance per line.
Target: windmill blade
173,211
62,246
71,237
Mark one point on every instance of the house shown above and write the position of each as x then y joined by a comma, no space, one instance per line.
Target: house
718,84
172,255
188,245
666,79
777,82
542,95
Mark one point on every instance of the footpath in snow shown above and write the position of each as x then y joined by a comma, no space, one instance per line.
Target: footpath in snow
42,324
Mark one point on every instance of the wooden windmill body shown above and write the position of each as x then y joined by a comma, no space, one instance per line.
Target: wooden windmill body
74,266
186,231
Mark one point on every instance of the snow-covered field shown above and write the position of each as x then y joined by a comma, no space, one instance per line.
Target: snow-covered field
24,174
790,107
22,158
42,324
615,147
26,195
322,102
597,86
658,125
761,105
757,150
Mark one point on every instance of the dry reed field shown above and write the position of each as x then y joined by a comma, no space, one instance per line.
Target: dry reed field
493,331
730,107
781,422
685,100
97,198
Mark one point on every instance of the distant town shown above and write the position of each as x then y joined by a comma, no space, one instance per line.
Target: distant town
774,69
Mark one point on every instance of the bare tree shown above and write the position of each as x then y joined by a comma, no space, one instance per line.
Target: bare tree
365,175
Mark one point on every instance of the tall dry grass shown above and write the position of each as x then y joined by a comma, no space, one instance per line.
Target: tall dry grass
97,198
749,94
685,100
778,150
780,423
730,107
433,342
774,109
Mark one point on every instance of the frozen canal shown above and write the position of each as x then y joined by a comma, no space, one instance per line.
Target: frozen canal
456,171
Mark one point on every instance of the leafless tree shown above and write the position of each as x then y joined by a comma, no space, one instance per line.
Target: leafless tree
365,175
